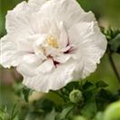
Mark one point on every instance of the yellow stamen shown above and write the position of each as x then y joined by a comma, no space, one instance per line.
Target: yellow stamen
52,42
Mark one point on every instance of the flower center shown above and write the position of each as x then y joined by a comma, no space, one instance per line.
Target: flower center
52,41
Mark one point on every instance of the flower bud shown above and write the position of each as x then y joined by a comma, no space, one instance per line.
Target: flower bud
112,112
76,96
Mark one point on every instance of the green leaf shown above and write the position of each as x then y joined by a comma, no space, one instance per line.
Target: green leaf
101,84
115,44
87,85
26,93
65,112
33,116
105,94
110,33
24,110
51,115
45,105
90,109
103,98
14,112
71,86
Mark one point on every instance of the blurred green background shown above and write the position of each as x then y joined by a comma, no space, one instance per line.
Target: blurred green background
108,14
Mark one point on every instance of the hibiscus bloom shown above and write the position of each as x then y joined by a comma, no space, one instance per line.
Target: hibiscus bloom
51,43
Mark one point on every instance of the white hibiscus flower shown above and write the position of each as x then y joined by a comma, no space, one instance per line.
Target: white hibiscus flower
51,43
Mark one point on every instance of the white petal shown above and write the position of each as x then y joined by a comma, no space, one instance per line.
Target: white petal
19,27
36,4
18,21
83,29
91,46
63,40
9,55
52,51
65,49
68,11
51,81
46,66
21,8
42,25
62,58
32,59
27,69
87,17
29,65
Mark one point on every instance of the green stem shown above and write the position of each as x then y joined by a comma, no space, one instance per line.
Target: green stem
113,66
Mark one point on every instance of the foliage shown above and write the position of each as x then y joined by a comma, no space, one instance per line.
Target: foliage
96,99
113,37
6,115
